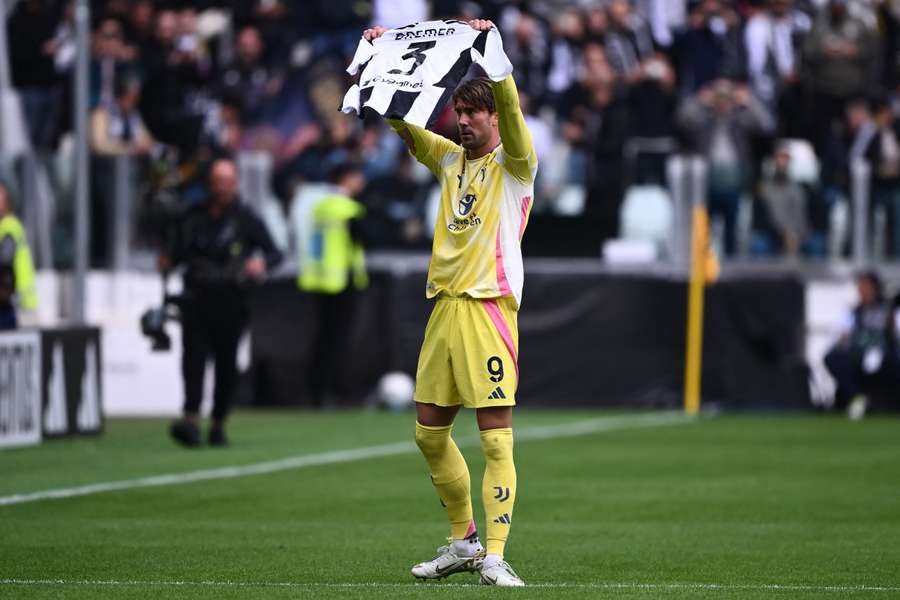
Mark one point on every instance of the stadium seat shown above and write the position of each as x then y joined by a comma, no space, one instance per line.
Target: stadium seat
647,215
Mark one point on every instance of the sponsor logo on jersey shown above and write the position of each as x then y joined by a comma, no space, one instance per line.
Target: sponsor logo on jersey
399,83
458,225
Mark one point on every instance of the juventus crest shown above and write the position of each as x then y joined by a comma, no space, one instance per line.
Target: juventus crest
466,203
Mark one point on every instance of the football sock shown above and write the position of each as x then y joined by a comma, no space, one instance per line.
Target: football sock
498,488
450,476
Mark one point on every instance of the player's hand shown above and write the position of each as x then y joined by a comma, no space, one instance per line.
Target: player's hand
373,33
481,24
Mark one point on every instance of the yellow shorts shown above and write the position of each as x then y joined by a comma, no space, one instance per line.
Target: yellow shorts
470,353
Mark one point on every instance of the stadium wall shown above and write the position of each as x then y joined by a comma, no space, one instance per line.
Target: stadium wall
587,339
607,339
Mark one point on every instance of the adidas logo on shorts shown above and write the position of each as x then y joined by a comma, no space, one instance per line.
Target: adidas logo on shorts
497,394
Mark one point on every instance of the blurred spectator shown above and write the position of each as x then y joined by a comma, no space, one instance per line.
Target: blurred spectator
665,17
118,129
565,49
710,47
112,57
720,121
16,269
527,46
648,75
858,353
847,142
784,209
140,27
881,147
248,78
596,23
840,64
33,46
333,26
889,25
274,19
64,40
176,75
628,41
771,36
574,106
596,124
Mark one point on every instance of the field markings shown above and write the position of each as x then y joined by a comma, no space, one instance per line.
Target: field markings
600,585
564,430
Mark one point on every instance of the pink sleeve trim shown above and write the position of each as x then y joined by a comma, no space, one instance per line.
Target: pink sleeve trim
526,201
502,283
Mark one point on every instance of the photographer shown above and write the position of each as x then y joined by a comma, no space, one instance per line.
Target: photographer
224,248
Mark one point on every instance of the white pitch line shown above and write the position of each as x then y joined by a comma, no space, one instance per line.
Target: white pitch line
564,430
611,585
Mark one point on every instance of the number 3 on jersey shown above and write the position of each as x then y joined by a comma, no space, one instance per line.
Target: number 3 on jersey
495,368
416,51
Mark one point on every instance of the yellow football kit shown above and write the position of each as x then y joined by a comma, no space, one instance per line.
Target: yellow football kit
469,355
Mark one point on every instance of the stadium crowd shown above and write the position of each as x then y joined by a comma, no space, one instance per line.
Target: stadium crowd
779,96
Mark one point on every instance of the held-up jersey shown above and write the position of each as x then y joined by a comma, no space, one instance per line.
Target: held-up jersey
410,72
484,208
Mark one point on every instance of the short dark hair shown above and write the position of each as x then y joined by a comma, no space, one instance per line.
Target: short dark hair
476,93
342,170
125,84
872,277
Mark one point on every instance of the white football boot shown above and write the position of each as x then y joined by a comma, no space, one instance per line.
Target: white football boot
457,556
500,574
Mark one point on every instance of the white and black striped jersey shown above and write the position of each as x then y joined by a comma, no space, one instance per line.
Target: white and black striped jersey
410,72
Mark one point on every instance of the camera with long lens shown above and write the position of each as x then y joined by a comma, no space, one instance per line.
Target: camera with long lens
153,321
153,326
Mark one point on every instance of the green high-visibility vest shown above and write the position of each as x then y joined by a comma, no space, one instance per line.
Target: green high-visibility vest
331,255
22,264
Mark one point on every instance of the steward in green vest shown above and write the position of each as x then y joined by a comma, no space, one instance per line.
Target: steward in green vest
16,267
333,270
332,257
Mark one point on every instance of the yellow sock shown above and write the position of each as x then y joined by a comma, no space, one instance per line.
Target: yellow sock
450,476
498,489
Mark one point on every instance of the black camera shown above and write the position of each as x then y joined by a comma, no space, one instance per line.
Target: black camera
153,321
153,325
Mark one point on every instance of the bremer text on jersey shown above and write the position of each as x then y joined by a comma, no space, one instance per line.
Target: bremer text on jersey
410,72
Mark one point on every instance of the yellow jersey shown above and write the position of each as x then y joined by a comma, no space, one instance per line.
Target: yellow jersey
485,204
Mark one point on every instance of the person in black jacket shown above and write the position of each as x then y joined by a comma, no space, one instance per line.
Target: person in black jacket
856,360
225,248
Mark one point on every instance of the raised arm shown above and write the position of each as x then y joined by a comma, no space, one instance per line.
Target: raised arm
428,148
518,148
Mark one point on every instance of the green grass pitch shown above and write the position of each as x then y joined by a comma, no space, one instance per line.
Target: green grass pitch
729,507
